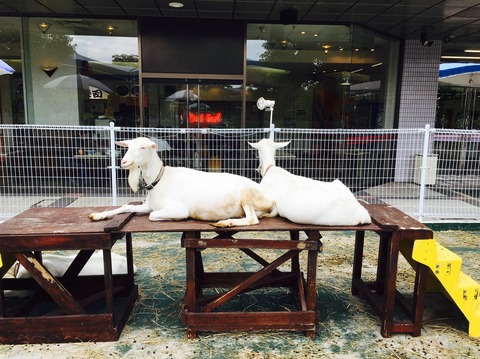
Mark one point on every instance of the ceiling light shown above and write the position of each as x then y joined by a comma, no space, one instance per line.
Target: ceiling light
461,57
302,33
175,4
110,29
471,51
377,64
43,27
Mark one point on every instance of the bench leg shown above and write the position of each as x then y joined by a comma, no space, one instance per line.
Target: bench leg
357,259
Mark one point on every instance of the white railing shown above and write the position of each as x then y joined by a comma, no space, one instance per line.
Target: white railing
431,174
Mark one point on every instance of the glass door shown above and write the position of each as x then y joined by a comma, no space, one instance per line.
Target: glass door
192,105
203,105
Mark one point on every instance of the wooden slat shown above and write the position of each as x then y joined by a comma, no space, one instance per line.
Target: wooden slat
117,222
49,283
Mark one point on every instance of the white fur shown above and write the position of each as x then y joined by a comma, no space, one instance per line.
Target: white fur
186,193
304,200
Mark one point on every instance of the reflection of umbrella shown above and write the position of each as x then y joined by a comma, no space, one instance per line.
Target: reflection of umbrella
194,106
5,69
182,96
76,82
465,75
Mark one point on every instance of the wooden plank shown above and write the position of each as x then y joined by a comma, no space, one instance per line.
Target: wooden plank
251,321
58,329
32,242
49,283
143,224
117,222
232,279
251,243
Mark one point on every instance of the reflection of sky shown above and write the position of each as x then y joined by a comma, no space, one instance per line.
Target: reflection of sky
255,49
102,48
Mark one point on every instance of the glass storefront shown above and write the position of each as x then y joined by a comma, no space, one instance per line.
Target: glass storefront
458,107
86,72
321,76
74,72
11,85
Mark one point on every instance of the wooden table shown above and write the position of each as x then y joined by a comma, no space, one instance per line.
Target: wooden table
70,308
44,229
204,313
397,230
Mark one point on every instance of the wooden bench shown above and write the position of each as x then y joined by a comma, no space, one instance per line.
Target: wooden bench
72,307
204,313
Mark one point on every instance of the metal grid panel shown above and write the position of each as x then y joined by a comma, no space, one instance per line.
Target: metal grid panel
431,174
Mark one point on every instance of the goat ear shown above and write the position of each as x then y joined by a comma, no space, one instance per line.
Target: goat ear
254,145
281,144
122,143
153,146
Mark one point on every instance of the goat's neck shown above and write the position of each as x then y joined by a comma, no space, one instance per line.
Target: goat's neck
266,165
149,172
151,169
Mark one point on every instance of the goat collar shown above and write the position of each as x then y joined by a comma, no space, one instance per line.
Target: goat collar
148,187
268,167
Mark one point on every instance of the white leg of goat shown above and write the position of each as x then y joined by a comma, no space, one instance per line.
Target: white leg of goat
249,219
128,208
174,211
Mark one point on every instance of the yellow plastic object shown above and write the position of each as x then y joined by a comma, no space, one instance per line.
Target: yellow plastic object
7,259
446,267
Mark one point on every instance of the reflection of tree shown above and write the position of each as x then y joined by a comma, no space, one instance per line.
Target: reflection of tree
56,45
124,58
292,91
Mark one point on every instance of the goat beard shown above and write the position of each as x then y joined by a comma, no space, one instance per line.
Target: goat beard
134,178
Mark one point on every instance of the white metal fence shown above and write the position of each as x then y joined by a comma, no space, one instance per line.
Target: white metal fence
431,174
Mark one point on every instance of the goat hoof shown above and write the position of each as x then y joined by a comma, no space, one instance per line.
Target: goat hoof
222,224
95,217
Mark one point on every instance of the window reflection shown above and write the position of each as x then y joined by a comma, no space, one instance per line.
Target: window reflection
96,72
211,105
321,76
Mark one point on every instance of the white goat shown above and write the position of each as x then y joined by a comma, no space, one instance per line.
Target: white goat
176,193
304,200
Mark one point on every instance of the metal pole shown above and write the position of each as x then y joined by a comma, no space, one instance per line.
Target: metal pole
423,173
113,165
272,126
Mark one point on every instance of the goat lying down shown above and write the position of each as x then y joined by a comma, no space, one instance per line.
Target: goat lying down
176,193
304,200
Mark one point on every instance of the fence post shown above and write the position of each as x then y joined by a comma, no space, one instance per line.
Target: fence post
423,172
113,164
